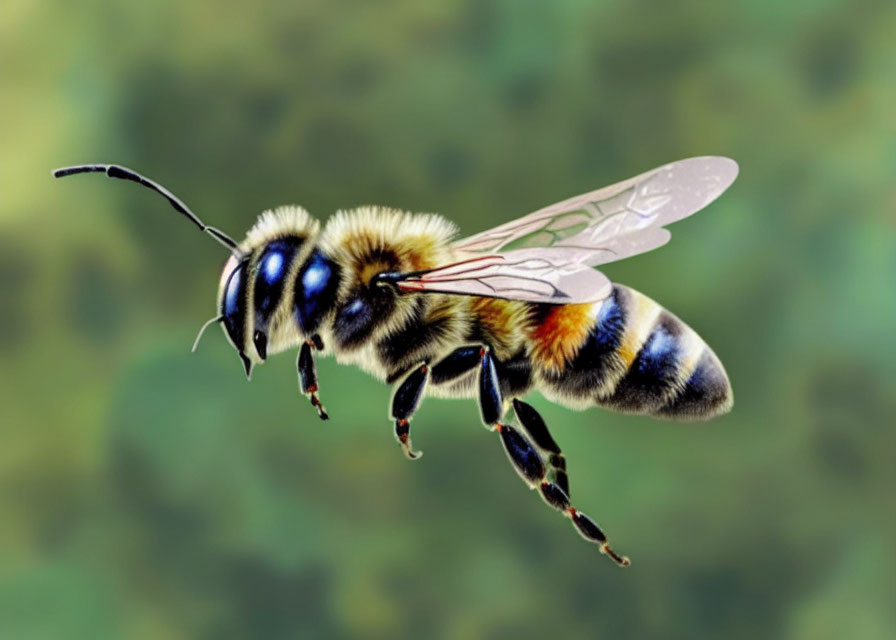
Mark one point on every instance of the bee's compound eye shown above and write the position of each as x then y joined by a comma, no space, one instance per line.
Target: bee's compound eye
316,277
233,305
272,267
315,290
227,271
270,281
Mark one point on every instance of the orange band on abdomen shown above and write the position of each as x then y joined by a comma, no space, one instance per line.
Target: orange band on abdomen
563,329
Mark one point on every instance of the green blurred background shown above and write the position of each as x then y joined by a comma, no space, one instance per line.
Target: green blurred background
149,493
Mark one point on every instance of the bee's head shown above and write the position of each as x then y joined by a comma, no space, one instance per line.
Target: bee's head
277,287
275,280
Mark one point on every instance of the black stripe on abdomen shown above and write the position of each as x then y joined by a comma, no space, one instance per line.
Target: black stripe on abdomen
653,373
706,394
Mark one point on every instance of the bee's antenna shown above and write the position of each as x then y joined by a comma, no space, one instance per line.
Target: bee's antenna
123,173
202,330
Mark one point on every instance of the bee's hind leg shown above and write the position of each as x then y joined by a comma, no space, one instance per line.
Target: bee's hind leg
531,468
535,426
527,460
405,402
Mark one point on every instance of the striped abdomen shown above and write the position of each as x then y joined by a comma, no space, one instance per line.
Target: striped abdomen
629,354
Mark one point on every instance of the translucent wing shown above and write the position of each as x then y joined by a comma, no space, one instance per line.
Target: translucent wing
532,275
618,221
547,255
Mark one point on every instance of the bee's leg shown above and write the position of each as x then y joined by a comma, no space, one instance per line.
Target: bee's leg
528,461
405,402
308,374
460,361
409,393
534,425
491,402
531,468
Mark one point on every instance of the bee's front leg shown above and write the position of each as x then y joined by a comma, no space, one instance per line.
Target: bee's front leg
308,374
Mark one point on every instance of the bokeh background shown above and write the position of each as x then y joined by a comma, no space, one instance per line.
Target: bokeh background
149,493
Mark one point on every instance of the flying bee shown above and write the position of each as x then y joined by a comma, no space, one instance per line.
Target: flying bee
492,316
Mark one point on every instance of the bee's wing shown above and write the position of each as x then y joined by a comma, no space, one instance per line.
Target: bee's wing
532,275
618,221
547,255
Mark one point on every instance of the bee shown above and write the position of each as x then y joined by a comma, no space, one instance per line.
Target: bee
493,316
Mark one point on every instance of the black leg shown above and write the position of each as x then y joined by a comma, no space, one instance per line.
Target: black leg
456,363
531,468
409,393
463,360
491,404
405,402
527,460
308,374
534,425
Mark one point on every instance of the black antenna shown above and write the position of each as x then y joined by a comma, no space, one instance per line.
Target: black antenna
123,173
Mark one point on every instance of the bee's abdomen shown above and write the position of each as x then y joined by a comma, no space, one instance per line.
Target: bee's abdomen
706,392
639,358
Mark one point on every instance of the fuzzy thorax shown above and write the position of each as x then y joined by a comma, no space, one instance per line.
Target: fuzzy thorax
414,241
370,240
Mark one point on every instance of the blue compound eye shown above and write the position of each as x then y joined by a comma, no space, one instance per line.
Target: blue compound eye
233,305
273,267
316,277
315,290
